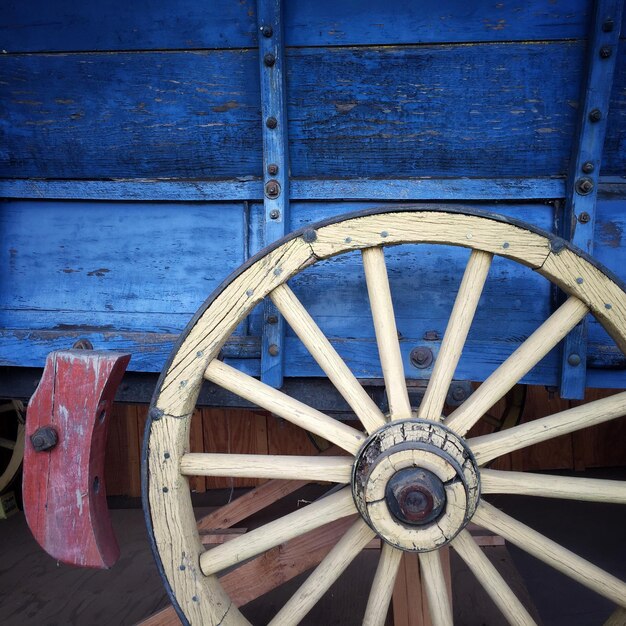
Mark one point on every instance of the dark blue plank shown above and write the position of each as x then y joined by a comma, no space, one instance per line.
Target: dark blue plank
492,110
68,25
614,155
123,267
184,115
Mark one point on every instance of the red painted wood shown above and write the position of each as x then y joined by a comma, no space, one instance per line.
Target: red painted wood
63,488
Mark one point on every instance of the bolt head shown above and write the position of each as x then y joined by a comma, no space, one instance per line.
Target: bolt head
573,360
267,31
271,122
272,169
605,52
269,59
274,214
272,319
588,167
595,115
584,186
44,438
584,217
274,350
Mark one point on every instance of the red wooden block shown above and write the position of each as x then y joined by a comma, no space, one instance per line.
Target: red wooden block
63,485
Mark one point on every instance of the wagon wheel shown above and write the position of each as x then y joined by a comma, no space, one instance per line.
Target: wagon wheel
13,446
414,481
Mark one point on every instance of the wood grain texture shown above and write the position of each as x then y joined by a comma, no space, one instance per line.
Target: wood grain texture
572,488
521,361
289,467
327,358
292,525
488,447
324,575
188,25
455,336
491,581
286,407
382,587
358,112
381,306
435,586
551,553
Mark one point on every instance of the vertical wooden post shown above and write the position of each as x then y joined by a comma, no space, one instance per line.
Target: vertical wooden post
275,169
583,177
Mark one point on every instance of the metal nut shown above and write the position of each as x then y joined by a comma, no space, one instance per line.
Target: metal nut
274,214
584,186
267,31
584,217
421,357
271,122
274,350
588,167
605,52
44,438
272,189
269,59
272,169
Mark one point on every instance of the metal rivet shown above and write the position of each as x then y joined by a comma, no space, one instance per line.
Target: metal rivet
200,354
608,306
267,31
272,319
573,360
595,115
155,414
384,234
278,271
272,169
431,335
195,598
309,235
165,489
271,122
273,350
166,455
348,239
580,281
181,568
274,214
608,25
605,52
584,217
269,59
250,293
584,186
588,167
505,245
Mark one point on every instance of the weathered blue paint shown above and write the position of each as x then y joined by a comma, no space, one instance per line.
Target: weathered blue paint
66,25
580,208
300,189
275,169
131,140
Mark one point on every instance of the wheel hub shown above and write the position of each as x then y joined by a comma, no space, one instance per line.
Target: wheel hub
416,484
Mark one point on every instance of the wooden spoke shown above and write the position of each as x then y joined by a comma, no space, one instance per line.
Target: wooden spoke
8,444
456,333
436,589
570,488
291,467
324,575
488,447
517,365
294,524
382,587
551,553
327,358
284,406
386,332
491,581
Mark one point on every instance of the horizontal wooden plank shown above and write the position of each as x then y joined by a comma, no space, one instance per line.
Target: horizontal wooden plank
116,25
354,112
300,189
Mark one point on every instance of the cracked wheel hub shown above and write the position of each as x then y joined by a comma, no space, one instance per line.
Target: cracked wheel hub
416,484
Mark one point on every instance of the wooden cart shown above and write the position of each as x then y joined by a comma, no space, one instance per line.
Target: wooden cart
407,199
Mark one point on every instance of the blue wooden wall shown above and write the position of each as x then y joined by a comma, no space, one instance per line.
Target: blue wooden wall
131,161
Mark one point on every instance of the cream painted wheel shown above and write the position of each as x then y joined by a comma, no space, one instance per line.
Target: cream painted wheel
13,447
452,466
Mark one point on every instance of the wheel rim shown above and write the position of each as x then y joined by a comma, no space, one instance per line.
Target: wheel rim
190,572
